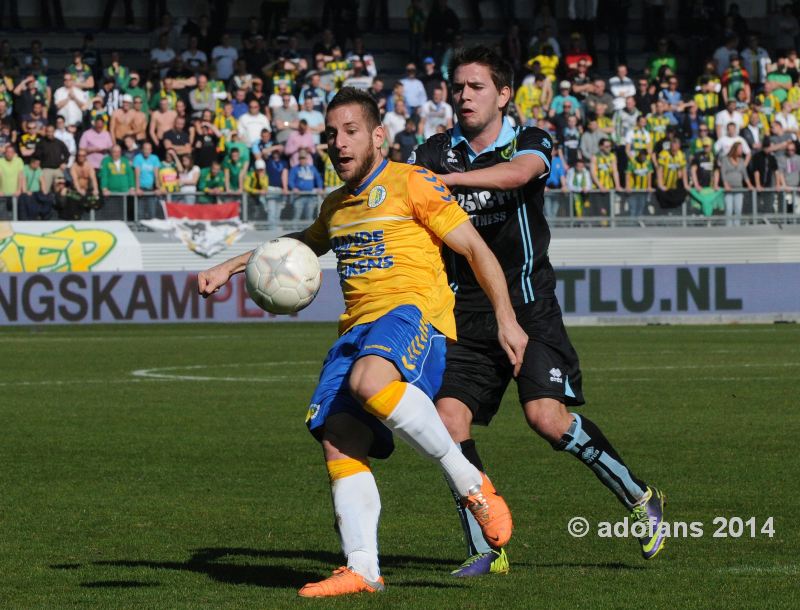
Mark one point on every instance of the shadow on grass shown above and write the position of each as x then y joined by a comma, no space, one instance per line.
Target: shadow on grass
615,565
211,562
118,584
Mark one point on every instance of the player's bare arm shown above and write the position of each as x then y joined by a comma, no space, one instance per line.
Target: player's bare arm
466,241
211,280
502,177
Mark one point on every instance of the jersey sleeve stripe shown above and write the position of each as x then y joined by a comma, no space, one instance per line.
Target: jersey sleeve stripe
539,154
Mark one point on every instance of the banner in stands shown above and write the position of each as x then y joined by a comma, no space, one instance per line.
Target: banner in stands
624,293
68,246
205,229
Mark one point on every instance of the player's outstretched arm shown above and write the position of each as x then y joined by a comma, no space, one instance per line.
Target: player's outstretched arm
211,280
466,241
501,177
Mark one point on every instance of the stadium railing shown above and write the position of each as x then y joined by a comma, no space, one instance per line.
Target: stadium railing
592,208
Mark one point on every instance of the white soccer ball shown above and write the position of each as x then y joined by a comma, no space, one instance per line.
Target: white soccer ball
283,275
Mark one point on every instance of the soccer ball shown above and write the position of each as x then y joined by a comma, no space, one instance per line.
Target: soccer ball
283,275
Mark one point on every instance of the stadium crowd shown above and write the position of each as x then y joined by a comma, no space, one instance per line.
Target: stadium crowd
213,117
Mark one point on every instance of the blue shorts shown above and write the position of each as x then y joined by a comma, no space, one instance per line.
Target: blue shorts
402,337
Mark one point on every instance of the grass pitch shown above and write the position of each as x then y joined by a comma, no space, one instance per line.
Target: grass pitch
169,467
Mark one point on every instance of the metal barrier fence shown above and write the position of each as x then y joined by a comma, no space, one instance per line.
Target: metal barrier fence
562,209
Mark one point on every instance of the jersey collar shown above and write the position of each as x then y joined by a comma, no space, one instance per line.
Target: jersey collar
505,136
370,178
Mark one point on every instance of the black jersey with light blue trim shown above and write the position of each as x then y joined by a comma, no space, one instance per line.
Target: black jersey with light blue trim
511,222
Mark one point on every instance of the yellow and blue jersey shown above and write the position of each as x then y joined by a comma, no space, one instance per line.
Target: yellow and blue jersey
387,236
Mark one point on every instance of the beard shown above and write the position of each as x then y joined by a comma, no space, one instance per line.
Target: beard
363,169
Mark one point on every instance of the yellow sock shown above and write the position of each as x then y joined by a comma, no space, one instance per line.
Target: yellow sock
345,467
383,403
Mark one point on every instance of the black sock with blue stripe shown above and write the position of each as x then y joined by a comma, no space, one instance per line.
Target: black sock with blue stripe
586,442
472,531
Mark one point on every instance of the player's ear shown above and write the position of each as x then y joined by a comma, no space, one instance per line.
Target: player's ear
504,97
378,136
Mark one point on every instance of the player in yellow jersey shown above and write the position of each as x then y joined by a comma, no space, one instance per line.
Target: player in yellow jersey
387,226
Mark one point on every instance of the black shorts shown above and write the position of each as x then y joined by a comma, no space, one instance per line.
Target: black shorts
477,370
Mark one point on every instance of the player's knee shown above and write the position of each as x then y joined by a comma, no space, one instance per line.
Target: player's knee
364,386
457,418
548,418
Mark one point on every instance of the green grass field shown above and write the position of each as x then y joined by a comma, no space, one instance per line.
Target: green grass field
194,483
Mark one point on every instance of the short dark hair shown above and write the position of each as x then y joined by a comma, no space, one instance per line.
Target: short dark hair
351,95
502,72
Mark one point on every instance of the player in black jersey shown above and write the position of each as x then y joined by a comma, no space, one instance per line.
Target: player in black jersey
498,174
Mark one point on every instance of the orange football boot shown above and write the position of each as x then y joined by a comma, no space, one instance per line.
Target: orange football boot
491,512
343,582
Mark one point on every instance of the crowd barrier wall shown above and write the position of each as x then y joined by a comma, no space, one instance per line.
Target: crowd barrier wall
611,294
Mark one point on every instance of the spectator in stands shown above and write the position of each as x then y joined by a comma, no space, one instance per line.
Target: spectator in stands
195,58
625,121
53,155
188,177
211,183
178,140
395,120
723,54
84,179
284,119
123,120
434,114
754,132
735,78
407,139
645,96
733,172
576,54
582,81
590,139
206,142
120,73
579,183
621,87
81,72
787,119
162,56
235,170
202,97
162,120
224,58
299,140
257,186
595,96
547,60
604,169
671,176
96,142
563,98
755,61
413,90
66,136
110,96
27,94
724,144
638,182
415,13
657,123
729,115
432,78
28,140
704,172
569,135
314,119
145,168
252,123
71,102
116,177
763,171
34,203
304,179
556,183
674,101
12,178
